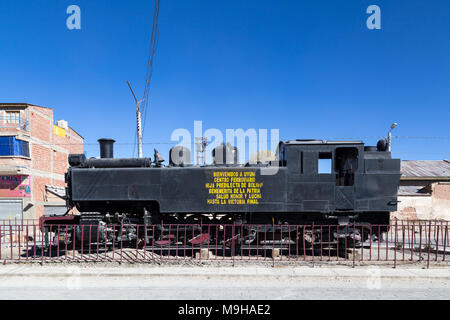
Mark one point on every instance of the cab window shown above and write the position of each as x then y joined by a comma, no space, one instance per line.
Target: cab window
324,163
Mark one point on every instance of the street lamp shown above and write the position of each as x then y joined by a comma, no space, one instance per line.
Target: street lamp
389,135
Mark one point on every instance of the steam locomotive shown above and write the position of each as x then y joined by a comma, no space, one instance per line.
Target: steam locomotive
309,182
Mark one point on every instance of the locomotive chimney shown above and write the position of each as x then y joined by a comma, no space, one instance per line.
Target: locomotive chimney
106,148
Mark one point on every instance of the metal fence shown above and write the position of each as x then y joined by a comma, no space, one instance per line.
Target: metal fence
400,242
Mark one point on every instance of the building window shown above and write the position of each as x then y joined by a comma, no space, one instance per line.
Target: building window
10,146
13,117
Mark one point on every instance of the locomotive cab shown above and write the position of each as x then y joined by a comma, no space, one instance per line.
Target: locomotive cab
340,177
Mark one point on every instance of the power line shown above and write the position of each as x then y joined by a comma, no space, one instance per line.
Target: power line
152,50
174,142
421,138
153,46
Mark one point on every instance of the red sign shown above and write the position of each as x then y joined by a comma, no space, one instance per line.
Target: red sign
15,186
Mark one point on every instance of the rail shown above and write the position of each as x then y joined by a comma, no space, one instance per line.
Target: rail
401,242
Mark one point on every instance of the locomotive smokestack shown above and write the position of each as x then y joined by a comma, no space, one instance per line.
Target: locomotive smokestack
106,148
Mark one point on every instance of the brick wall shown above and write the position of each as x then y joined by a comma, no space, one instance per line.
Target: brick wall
48,152
436,205
59,162
45,111
39,187
441,190
41,157
40,127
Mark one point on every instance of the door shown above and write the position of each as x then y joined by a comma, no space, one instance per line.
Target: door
11,210
346,165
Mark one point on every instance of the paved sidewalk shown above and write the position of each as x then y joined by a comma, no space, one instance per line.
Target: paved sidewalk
247,271
248,282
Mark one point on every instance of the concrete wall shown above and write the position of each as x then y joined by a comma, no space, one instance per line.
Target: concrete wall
432,206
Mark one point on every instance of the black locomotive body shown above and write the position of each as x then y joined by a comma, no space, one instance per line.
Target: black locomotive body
359,184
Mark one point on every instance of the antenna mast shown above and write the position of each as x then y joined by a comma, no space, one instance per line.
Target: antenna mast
138,121
200,144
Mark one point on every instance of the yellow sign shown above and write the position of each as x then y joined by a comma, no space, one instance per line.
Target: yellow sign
234,187
59,131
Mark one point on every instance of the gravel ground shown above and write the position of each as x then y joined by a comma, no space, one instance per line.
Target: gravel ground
405,258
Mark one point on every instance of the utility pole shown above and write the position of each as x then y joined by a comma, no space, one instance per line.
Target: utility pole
138,121
200,147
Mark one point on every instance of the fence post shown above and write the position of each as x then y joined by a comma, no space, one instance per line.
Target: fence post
354,244
412,240
445,239
304,244
137,240
437,243
168,247
114,240
429,244
42,244
388,230
403,241
121,241
362,243
145,241
420,241
65,242
395,245
312,241
18,239
232,242
34,241
11,241
329,243
98,238
370,243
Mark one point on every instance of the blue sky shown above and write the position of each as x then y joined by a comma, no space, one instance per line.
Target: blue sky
310,68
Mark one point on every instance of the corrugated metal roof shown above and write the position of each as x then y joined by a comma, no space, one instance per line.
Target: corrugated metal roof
425,168
20,104
412,191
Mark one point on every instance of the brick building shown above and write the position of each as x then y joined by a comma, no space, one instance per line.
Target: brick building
424,191
33,160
